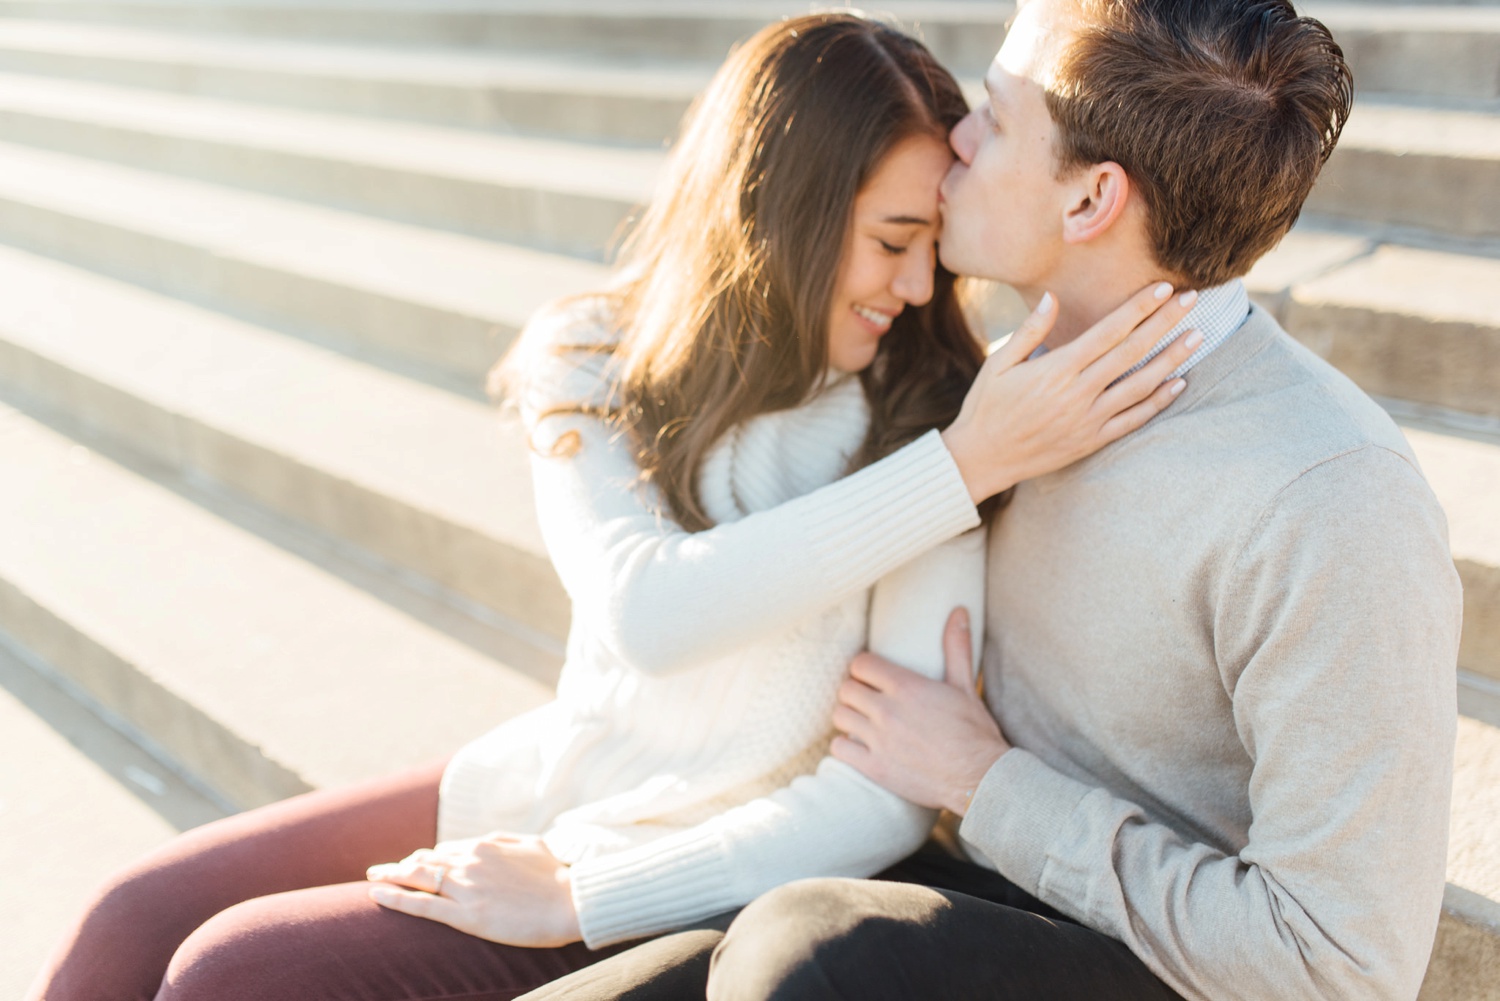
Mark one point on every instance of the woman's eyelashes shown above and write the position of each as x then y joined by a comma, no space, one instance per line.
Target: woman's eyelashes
891,248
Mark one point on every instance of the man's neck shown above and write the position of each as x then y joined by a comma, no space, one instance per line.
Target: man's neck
1089,296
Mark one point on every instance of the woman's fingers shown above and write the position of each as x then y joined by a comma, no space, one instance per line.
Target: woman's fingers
1112,331
1113,364
425,876
420,855
1138,386
422,905
1029,335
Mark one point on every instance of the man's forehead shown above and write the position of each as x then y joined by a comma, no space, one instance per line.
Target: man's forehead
1038,34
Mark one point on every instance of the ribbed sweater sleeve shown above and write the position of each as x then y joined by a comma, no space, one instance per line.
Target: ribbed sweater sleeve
834,822
662,599
1335,629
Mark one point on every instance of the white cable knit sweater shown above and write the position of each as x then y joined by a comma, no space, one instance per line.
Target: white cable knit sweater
682,769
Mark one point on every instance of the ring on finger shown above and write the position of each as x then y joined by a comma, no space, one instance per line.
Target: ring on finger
442,874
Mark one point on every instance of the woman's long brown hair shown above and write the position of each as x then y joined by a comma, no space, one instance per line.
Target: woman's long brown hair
731,271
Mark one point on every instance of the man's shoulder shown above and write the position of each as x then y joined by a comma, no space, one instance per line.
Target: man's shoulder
1280,410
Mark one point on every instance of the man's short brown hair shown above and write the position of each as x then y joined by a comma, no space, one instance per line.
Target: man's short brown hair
1222,113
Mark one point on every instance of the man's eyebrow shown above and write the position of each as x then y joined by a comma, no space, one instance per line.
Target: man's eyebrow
989,89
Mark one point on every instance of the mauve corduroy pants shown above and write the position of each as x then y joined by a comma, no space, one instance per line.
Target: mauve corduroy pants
271,905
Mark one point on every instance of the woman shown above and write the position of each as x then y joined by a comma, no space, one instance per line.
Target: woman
783,323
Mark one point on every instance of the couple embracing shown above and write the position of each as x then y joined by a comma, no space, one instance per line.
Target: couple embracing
1150,609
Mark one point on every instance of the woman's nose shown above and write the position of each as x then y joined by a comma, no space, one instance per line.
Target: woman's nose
913,284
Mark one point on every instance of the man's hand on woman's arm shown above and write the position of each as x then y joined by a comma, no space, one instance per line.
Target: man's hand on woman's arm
1025,417
930,742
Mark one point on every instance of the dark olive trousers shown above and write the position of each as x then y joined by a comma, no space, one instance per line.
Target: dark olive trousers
932,928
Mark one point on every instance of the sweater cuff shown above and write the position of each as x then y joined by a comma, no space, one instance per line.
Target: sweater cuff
1021,806
653,888
890,512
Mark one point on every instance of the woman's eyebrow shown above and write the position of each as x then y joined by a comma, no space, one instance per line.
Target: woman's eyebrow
907,220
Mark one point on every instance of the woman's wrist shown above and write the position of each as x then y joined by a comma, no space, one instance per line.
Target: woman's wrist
976,463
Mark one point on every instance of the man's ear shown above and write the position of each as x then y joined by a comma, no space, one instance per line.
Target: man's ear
1101,193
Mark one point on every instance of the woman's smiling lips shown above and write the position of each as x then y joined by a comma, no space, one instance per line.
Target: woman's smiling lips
876,320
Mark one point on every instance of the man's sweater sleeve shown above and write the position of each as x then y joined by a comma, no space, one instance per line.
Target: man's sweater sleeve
834,822
1336,635
663,599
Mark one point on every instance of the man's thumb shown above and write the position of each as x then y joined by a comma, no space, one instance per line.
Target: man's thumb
958,655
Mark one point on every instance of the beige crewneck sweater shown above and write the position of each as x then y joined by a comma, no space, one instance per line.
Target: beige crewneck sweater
1224,649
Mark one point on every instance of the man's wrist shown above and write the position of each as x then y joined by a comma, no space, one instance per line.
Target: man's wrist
963,798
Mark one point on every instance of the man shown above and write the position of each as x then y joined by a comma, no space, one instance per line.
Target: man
1221,652
1212,757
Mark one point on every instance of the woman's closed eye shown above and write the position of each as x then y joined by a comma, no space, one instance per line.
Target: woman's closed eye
891,248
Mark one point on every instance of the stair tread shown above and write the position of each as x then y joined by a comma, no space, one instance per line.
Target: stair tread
1402,128
1465,474
1432,285
506,283
517,161
317,675
1474,837
448,271
450,67
1405,17
432,450
86,802
412,441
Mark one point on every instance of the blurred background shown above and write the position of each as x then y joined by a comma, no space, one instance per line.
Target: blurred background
261,533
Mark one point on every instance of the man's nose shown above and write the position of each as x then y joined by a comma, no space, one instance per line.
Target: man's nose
963,138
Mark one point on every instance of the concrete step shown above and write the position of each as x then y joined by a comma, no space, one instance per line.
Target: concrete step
263,674
1404,164
77,800
393,466
566,197
1465,475
90,800
1466,957
1413,48
444,303
1408,323
419,477
557,94
1408,48
1398,163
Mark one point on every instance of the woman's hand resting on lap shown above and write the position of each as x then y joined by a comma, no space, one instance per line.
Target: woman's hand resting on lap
1023,418
502,887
